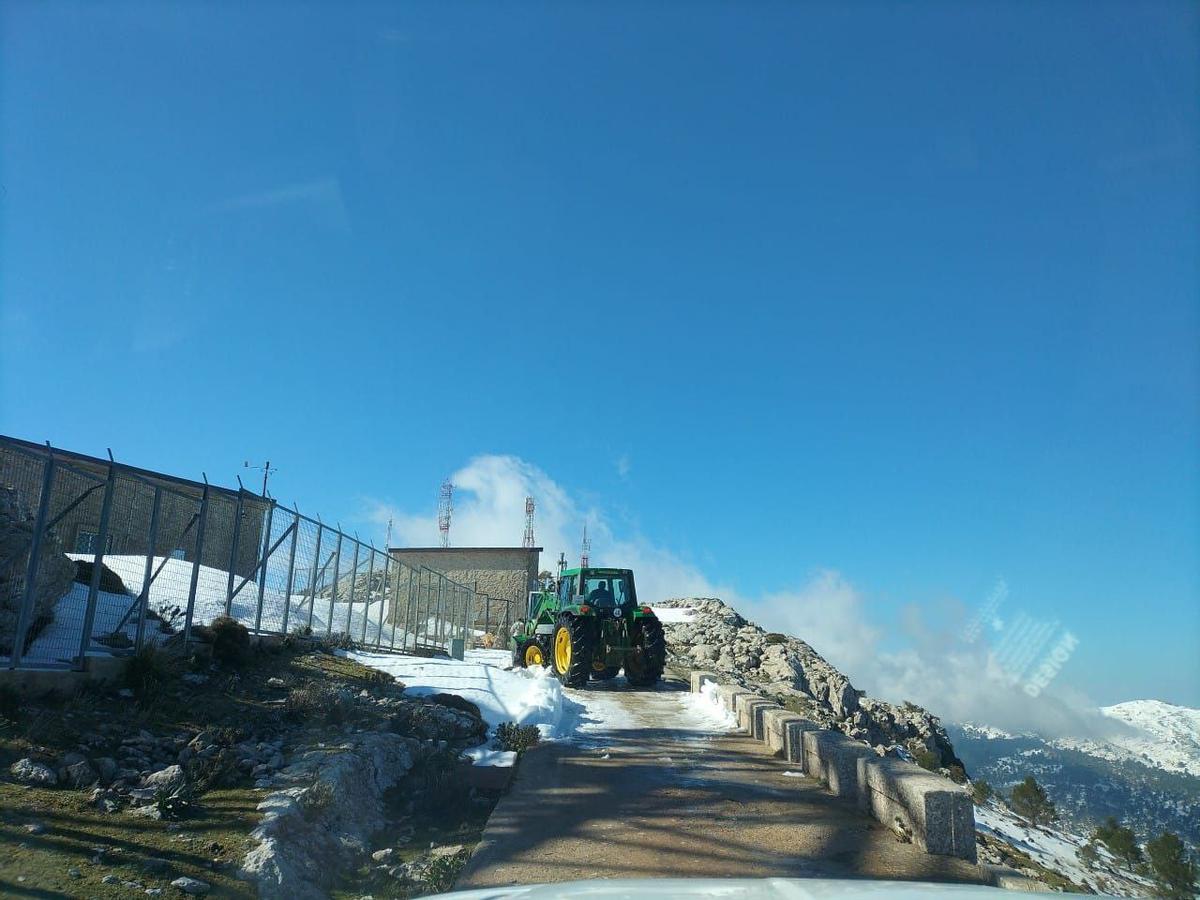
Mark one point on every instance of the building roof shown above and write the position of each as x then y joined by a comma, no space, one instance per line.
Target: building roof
100,466
455,549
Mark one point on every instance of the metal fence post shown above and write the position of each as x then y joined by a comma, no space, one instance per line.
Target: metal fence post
312,578
89,615
370,591
383,604
350,597
337,572
438,630
151,543
233,549
291,577
407,613
263,553
487,616
31,569
191,604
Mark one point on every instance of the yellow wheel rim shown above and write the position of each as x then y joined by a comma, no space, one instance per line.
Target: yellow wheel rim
533,655
562,650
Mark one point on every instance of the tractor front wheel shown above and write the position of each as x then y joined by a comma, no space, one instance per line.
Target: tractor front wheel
571,650
528,653
644,664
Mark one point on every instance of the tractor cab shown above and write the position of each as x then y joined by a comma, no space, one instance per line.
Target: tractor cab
598,588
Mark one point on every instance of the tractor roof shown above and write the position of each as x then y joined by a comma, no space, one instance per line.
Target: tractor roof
592,570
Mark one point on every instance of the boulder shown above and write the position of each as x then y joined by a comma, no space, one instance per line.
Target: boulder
26,771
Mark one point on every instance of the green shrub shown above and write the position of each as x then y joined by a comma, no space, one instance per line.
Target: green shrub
927,759
1029,799
1088,854
230,639
776,638
981,791
317,799
317,701
514,737
147,671
1119,840
11,707
1173,870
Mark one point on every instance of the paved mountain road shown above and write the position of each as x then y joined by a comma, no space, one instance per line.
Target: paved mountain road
652,789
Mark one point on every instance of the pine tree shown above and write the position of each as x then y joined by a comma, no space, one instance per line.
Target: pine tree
1028,799
1174,873
1120,841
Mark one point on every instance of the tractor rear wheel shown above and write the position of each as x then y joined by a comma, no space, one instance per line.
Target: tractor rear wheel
644,664
571,650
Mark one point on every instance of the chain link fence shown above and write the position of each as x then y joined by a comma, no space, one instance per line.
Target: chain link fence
99,558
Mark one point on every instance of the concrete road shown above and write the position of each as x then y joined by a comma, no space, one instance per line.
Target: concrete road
652,790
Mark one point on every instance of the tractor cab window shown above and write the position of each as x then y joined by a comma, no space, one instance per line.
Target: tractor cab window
607,591
566,590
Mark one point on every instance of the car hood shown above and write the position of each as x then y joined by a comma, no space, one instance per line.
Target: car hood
737,889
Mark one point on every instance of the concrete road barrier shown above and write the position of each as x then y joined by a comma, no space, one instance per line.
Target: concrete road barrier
700,678
728,694
937,813
833,758
930,810
785,734
749,709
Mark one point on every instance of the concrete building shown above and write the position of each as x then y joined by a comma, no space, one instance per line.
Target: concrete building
507,573
78,492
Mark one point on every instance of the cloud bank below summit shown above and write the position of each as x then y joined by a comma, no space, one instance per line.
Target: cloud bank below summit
925,659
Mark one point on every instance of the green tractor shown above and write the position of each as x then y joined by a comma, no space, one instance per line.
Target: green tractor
589,625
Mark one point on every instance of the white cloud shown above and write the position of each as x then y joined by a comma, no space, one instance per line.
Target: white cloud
321,199
933,665
624,466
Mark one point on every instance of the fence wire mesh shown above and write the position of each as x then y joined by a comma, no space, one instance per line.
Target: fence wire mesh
99,558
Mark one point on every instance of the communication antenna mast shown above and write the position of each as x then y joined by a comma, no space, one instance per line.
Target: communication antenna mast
562,563
266,469
387,541
585,549
529,543
445,510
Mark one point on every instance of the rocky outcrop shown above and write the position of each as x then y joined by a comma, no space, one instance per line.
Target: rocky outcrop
55,575
792,673
311,831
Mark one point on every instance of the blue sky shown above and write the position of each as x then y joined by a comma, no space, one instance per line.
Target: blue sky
908,294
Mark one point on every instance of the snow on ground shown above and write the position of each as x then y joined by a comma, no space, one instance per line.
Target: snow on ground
59,640
589,716
1162,735
672,615
1055,849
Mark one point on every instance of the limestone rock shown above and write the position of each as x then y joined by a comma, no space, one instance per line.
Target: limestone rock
26,771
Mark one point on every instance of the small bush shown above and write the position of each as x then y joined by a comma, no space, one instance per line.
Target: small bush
981,791
317,799
927,759
11,707
775,638
319,702
958,774
230,639
518,738
147,671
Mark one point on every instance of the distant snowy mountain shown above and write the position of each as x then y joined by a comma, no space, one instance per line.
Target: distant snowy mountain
1166,737
1149,778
